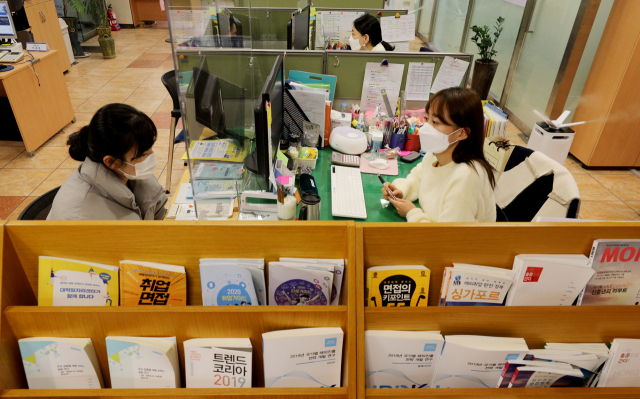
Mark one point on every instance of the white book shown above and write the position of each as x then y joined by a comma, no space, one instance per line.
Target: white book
60,363
401,359
225,284
469,361
254,266
218,362
306,357
291,286
587,361
623,367
472,285
339,275
336,269
143,362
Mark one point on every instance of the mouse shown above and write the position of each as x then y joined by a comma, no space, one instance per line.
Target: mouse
379,163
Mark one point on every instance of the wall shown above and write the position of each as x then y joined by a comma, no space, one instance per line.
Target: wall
122,8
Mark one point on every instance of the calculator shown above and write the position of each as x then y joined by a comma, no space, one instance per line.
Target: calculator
345,160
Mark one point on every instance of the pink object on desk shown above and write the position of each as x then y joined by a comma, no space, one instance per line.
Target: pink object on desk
284,180
392,170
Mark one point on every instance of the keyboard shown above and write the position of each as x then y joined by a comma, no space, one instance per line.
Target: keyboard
347,196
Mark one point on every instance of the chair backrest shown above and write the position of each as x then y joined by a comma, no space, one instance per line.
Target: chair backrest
171,83
39,209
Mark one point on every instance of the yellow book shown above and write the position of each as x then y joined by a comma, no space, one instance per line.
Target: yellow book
68,282
148,283
393,286
216,150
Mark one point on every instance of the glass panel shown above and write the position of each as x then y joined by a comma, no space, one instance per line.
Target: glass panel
486,12
425,17
587,56
449,24
542,53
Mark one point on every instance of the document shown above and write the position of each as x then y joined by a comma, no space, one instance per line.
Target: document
334,25
401,29
450,74
376,78
189,23
400,46
312,104
209,149
419,79
346,24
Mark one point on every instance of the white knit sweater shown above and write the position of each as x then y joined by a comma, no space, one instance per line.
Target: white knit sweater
450,193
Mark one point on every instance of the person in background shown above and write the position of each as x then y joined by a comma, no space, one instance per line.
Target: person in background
454,182
116,179
366,34
235,27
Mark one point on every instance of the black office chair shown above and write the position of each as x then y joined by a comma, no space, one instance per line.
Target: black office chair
171,83
39,209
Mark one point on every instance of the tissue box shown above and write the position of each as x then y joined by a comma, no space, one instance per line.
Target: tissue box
337,120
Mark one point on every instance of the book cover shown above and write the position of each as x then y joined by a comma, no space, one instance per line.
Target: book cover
401,359
216,188
542,377
292,286
218,170
218,362
306,357
623,367
147,283
60,363
338,274
254,266
529,360
227,285
476,288
67,282
216,150
397,286
617,274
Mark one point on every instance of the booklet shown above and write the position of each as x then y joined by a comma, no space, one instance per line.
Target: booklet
218,362
472,285
149,283
227,285
254,266
393,286
295,286
338,274
216,188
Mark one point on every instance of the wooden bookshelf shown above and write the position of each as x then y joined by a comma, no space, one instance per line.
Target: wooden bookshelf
179,243
439,245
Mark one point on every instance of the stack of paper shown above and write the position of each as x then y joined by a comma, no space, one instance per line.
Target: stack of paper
339,275
210,267
621,370
293,283
142,362
548,280
472,285
60,363
218,362
149,283
306,357
470,361
389,286
67,282
203,170
495,121
401,359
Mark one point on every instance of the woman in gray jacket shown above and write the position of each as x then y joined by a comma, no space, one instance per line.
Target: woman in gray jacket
115,181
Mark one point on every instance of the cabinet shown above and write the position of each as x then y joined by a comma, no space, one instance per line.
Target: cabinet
45,27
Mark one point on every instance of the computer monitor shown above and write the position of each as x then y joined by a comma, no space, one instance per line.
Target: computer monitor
7,28
301,22
268,140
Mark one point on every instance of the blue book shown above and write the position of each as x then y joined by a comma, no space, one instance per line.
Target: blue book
226,285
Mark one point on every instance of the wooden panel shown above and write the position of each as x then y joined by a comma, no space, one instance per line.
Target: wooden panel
38,27
514,393
54,33
148,10
43,109
31,3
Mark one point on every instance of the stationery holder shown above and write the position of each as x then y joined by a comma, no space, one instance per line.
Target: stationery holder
412,142
397,141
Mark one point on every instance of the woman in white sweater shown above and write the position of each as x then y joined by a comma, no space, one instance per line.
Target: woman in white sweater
454,182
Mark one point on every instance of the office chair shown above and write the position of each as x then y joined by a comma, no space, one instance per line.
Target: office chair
171,83
533,185
39,209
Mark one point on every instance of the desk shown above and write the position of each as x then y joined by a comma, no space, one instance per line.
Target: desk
40,111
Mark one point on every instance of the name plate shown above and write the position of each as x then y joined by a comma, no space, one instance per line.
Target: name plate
42,47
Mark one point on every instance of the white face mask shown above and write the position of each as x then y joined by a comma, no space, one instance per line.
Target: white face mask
354,43
144,169
434,141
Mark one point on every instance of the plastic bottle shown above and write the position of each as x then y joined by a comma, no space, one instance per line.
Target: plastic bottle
343,109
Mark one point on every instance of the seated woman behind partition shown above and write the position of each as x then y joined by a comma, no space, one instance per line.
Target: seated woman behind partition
116,179
366,34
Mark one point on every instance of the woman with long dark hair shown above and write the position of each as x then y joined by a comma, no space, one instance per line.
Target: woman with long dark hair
454,182
366,34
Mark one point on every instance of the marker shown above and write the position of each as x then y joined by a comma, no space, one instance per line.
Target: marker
388,189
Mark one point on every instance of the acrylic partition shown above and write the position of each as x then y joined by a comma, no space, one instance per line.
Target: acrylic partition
174,243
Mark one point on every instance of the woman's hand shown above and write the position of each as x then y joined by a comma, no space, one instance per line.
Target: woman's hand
385,191
402,206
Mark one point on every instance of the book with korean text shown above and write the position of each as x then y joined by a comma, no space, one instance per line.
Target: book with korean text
227,284
394,286
300,285
623,367
147,283
338,272
472,285
218,362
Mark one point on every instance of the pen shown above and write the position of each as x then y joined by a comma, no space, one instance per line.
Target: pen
388,189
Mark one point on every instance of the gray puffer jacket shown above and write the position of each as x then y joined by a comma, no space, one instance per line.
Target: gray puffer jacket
93,192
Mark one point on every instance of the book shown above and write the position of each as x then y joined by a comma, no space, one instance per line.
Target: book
623,367
254,266
511,366
143,362
295,286
471,361
305,357
473,285
218,362
148,283
547,377
401,359
60,363
218,170
338,273
617,274
181,210
227,285
389,286
216,150
68,282
216,188
215,209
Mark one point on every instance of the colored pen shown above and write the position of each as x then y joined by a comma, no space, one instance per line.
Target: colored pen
388,189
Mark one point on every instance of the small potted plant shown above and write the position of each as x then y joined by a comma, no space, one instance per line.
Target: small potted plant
485,68
98,9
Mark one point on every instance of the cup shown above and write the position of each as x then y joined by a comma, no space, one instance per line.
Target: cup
397,141
412,142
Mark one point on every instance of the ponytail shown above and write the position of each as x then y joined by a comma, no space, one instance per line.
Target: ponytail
387,46
78,146
369,25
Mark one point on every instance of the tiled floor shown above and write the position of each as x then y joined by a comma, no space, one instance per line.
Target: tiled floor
133,77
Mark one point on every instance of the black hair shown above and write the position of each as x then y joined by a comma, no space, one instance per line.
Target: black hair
464,109
114,130
369,25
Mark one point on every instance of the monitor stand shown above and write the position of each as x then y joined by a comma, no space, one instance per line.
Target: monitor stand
251,162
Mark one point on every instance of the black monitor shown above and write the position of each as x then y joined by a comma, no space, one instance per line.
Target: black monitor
273,92
301,21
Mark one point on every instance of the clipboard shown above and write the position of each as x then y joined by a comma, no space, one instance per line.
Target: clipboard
306,77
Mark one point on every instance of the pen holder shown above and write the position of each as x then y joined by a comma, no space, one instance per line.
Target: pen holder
412,143
397,141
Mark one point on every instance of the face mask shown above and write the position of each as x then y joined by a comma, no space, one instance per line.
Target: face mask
434,141
354,43
143,169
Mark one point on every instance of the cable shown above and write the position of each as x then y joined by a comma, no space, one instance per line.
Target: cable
31,66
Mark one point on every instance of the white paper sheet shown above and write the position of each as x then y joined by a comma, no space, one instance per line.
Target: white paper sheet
346,24
419,77
376,78
189,23
334,25
450,74
312,104
400,46
401,29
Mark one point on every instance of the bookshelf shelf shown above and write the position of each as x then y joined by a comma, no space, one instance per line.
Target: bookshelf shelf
514,393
